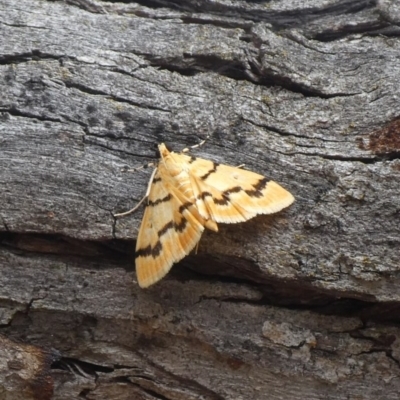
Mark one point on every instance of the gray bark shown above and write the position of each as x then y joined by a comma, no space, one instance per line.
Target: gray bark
303,304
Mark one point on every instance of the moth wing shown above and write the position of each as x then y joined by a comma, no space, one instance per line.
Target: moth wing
170,228
231,194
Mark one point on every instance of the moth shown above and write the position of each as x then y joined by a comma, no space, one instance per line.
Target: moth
187,194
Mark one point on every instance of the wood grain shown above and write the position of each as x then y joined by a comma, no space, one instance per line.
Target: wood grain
300,305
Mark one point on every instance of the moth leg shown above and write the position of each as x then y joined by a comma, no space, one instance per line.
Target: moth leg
196,249
187,149
142,200
138,168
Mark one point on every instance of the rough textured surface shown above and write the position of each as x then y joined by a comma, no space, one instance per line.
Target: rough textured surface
299,305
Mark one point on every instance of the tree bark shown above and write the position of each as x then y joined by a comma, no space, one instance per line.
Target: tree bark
303,304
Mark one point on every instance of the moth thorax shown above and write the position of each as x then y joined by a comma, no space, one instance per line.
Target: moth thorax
174,170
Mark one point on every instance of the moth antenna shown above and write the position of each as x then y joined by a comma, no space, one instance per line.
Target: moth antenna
132,210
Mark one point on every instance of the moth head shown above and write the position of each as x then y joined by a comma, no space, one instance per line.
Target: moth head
164,152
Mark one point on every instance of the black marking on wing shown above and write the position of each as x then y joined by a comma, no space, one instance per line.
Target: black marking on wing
222,202
203,195
168,197
155,251
235,189
192,159
150,251
258,187
209,172
169,225
184,207
181,226
225,199
157,179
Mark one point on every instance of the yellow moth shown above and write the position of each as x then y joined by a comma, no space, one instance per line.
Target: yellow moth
187,194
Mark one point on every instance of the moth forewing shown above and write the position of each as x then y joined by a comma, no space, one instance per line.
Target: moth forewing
170,229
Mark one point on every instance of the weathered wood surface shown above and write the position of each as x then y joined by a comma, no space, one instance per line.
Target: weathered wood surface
301,305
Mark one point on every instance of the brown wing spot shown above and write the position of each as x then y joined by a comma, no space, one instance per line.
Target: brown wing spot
181,226
258,187
169,225
172,225
222,202
203,195
211,171
158,201
235,189
192,159
184,207
157,179
150,251
157,248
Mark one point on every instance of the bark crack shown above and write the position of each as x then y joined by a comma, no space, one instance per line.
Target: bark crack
17,113
7,59
4,224
88,90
